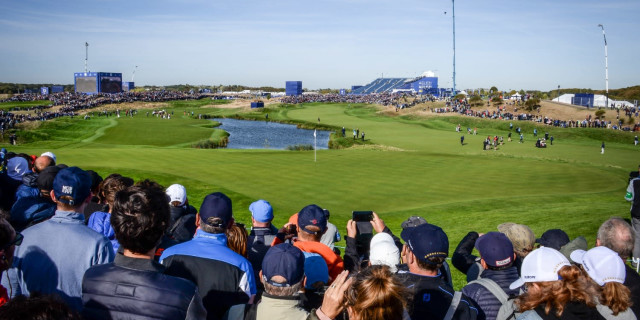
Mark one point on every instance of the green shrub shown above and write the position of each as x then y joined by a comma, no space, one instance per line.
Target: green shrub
300,147
211,144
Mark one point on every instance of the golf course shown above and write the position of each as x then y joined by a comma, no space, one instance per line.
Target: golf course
408,165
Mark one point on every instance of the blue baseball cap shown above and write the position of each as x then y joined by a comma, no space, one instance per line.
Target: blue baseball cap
261,211
217,205
496,249
426,241
17,167
312,215
315,269
72,186
283,260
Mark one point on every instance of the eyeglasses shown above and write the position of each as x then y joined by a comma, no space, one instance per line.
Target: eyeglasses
16,241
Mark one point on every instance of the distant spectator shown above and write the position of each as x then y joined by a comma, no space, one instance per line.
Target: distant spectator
56,253
607,271
233,282
100,221
130,287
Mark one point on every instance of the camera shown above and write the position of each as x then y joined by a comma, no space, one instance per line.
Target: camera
362,216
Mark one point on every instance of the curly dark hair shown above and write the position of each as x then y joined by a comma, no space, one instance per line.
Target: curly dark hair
38,306
140,216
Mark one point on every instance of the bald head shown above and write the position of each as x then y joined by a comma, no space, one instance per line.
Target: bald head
617,235
42,162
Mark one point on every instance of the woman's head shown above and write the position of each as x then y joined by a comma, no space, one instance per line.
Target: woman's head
551,282
376,294
111,185
237,239
607,271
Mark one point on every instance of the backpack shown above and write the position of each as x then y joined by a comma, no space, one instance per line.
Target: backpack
508,310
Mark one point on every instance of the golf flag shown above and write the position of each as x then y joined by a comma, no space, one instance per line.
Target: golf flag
314,132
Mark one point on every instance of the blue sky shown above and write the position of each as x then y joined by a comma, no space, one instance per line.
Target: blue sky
324,43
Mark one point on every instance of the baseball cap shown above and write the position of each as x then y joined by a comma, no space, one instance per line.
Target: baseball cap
17,167
261,211
72,186
427,241
50,155
45,178
602,264
553,238
521,236
496,249
216,205
312,215
541,265
283,260
177,192
383,251
412,222
315,269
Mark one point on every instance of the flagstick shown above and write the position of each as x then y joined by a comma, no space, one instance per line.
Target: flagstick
315,159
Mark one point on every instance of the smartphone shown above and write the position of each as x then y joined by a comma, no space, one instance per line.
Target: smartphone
360,216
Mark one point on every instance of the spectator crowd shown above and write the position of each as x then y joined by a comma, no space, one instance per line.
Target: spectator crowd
76,246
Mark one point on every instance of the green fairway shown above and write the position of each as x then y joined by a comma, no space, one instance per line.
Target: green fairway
23,104
412,167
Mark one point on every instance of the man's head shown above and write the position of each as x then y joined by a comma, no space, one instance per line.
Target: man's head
426,246
553,238
283,270
617,235
496,250
412,222
316,271
312,222
140,217
44,182
51,156
71,188
41,163
521,237
177,195
261,213
216,213
17,167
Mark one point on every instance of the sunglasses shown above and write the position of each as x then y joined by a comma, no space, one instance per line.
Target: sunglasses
16,241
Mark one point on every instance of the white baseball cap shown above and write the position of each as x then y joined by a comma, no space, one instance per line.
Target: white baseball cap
602,264
541,265
50,155
383,251
177,192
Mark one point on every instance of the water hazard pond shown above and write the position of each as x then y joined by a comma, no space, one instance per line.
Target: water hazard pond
247,134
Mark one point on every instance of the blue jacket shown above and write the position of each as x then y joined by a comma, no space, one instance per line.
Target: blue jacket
54,256
28,211
101,222
231,283
488,303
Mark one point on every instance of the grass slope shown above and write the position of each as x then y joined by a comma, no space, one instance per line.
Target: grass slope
569,185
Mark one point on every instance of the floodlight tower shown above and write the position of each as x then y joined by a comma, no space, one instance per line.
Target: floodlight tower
606,65
86,55
453,3
134,73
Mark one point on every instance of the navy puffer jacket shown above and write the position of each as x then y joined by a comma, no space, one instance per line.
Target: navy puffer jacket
487,302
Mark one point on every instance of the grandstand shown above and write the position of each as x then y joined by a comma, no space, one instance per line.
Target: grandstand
427,83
